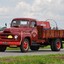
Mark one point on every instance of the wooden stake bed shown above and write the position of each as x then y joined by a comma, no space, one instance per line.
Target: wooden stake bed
48,33
52,33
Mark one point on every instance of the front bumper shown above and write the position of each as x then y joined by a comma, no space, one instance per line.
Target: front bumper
8,38
9,43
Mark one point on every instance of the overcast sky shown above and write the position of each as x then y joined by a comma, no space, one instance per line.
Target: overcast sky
38,9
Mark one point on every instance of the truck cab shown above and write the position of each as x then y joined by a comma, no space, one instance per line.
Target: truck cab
21,33
27,26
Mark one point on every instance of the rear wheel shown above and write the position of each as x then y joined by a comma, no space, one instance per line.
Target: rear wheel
2,48
24,45
34,48
56,45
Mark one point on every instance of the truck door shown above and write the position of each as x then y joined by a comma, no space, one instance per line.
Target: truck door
34,33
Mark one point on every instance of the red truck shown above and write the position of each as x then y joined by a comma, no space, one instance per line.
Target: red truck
29,33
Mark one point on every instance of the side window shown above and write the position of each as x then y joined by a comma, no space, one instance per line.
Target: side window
33,24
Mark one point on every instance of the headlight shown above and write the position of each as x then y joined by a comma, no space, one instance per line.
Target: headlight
16,36
10,36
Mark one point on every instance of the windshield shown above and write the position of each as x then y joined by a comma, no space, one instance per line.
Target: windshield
19,23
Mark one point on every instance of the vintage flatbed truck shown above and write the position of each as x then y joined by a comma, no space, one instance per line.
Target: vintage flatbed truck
29,33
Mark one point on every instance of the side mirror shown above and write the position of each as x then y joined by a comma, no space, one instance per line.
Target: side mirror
5,24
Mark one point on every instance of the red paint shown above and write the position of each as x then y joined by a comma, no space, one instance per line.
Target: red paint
25,45
45,24
10,43
58,45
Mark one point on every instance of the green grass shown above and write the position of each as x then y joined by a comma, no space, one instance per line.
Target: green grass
8,48
41,59
46,47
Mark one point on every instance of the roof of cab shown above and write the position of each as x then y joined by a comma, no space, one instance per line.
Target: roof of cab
24,19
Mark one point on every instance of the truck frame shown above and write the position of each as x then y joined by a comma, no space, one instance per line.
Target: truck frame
29,33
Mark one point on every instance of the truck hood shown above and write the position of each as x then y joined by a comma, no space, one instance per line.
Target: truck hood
14,30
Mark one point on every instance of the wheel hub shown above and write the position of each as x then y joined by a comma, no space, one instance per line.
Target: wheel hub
25,45
58,45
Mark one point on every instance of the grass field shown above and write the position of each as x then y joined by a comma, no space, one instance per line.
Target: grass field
41,59
8,48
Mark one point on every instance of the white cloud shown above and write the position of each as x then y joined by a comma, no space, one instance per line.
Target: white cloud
39,9
23,6
3,10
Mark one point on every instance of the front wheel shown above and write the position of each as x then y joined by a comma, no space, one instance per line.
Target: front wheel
2,48
24,45
56,45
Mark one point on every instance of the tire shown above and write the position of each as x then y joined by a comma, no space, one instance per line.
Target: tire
56,45
24,45
34,48
2,48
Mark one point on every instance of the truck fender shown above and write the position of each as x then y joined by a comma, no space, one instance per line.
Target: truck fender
25,37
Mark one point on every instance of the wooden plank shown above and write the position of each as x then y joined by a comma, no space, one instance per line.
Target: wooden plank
56,34
52,34
61,33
